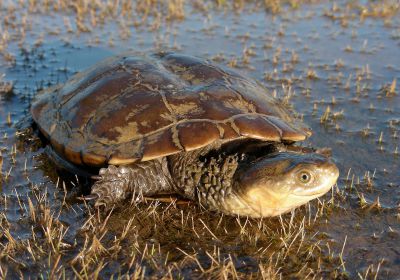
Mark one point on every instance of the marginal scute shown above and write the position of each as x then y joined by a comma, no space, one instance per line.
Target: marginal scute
125,153
228,131
93,159
159,144
73,156
289,133
194,135
58,147
256,127
137,108
116,160
38,109
44,132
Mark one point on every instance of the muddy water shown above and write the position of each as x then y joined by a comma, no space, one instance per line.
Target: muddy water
339,70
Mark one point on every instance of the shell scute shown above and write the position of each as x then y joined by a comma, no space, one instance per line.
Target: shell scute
229,130
92,159
193,70
81,107
255,126
132,115
125,153
194,135
288,133
160,144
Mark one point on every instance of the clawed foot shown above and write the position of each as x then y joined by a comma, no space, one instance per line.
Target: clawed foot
111,187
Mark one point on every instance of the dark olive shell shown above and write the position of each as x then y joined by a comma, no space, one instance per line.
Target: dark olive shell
129,108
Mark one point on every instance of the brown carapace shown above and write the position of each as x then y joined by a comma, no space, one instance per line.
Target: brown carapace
128,109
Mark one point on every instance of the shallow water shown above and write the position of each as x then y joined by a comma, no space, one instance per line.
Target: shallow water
349,64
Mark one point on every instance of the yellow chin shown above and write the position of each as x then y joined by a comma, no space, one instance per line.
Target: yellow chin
266,203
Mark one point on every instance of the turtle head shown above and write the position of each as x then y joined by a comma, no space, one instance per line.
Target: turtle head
275,184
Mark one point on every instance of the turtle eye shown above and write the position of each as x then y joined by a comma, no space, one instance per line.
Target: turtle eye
304,177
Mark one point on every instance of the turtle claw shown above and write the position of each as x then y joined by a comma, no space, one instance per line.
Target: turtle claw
111,187
89,197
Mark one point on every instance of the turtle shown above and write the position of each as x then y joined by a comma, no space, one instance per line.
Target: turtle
166,122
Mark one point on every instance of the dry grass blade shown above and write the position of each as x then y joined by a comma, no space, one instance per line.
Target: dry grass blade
208,229
392,88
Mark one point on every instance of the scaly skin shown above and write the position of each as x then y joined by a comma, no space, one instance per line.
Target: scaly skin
216,182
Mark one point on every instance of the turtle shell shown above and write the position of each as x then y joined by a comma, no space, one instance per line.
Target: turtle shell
132,108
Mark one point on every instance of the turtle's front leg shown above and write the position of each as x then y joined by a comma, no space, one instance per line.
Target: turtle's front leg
117,183
114,184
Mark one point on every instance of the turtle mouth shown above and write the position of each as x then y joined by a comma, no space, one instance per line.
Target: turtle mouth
314,192
311,196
